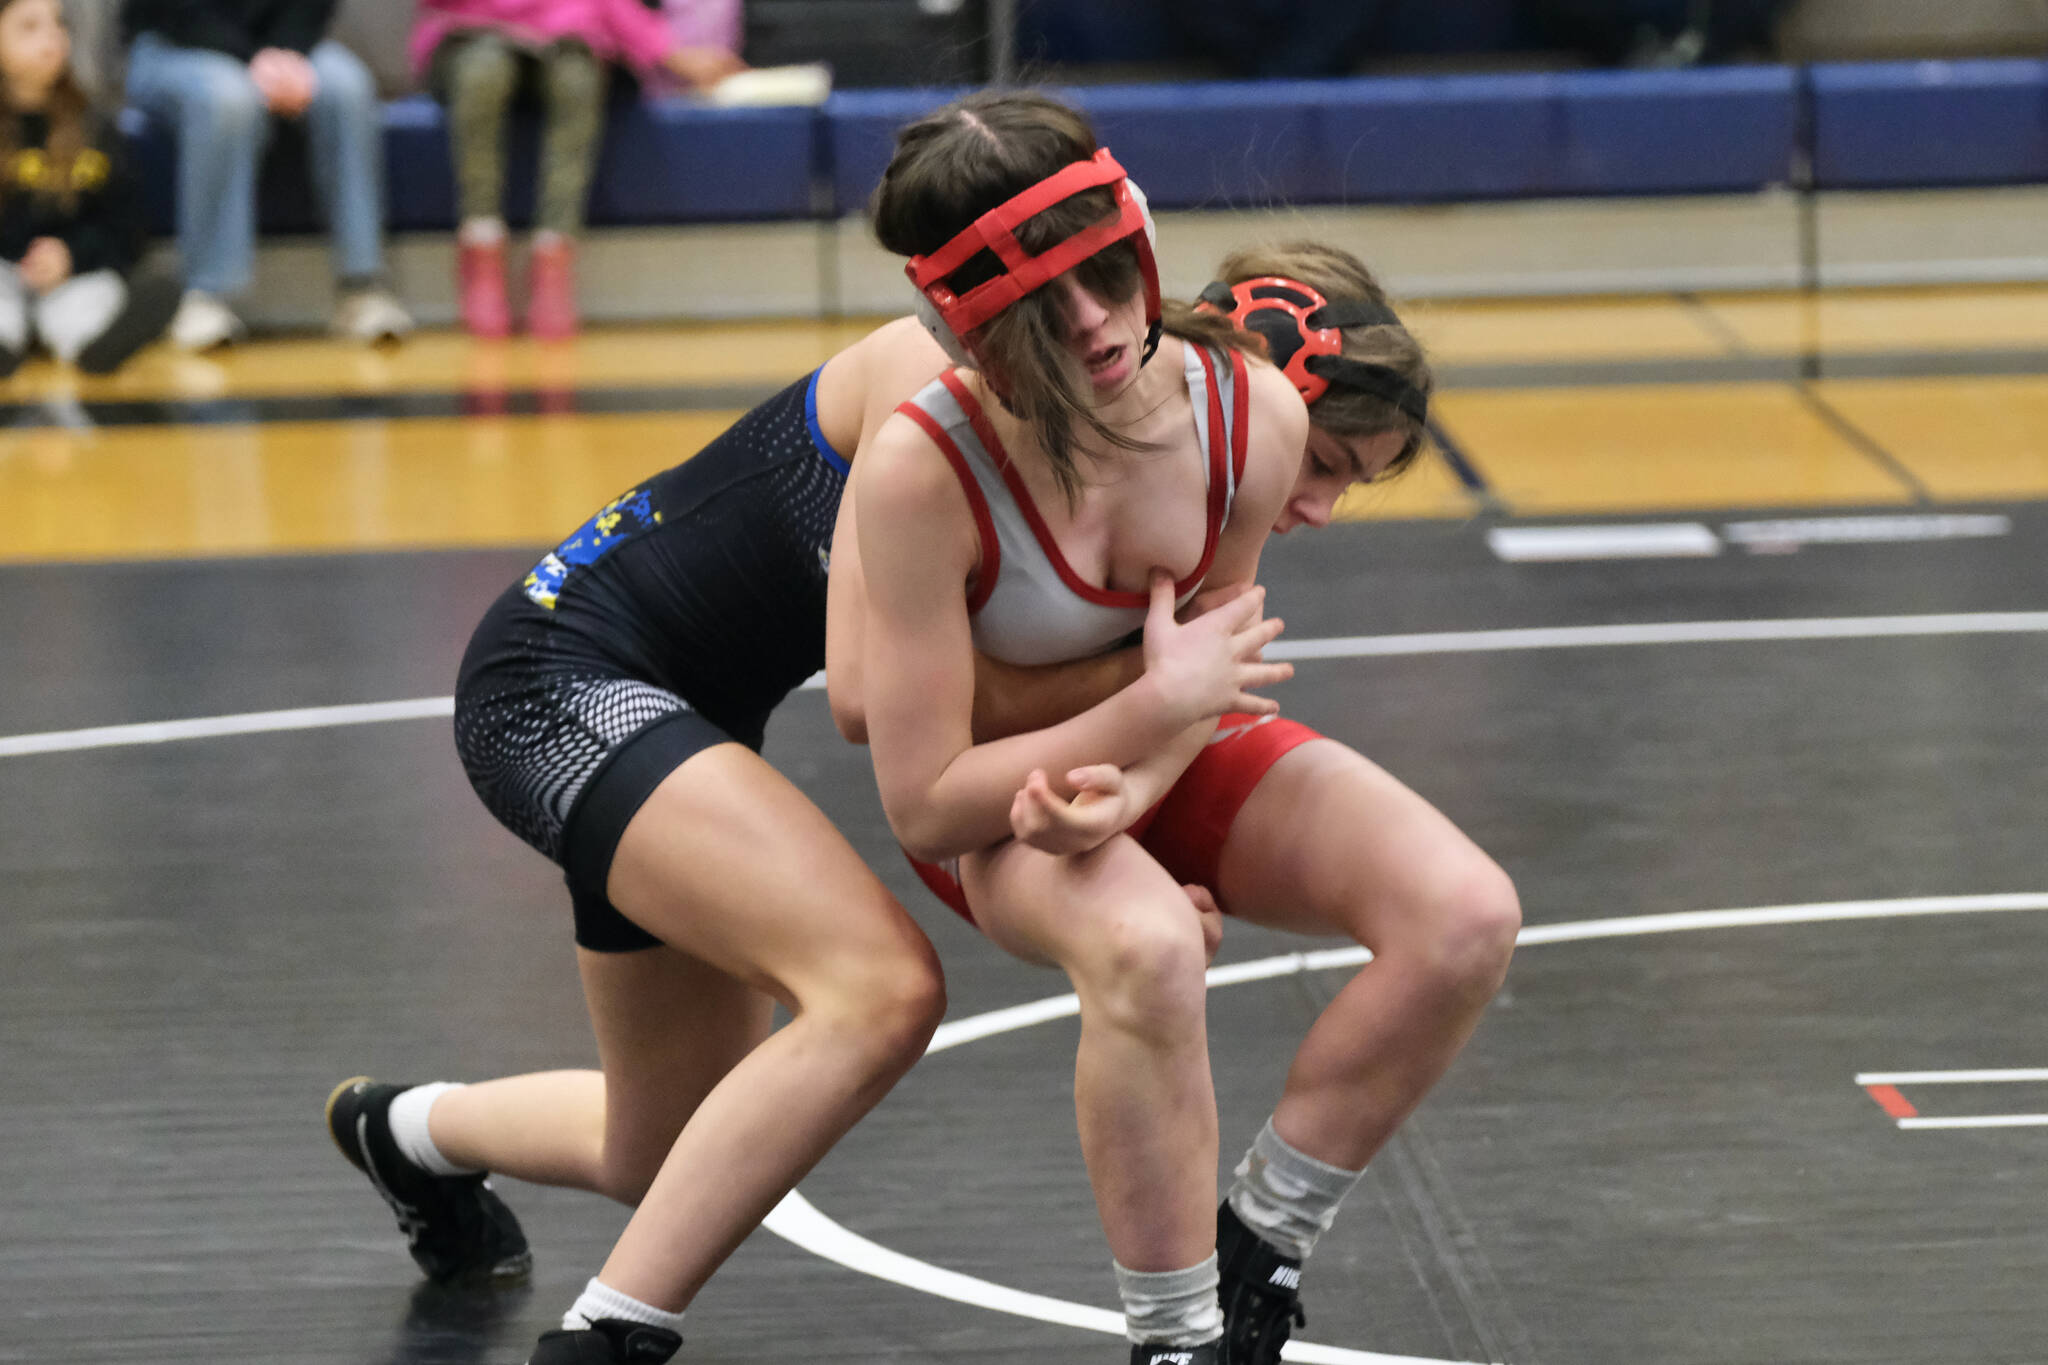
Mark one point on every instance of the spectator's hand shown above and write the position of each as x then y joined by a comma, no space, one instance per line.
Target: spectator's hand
45,265
702,67
285,79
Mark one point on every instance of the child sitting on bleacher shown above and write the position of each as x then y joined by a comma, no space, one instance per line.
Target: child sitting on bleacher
475,54
70,230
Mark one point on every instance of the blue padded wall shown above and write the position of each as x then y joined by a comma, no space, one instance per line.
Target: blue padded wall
1712,130
1887,124
859,131
669,161
1223,144
1421,139
664,161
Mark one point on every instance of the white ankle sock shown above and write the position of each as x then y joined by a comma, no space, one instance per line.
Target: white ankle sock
481,231
600,1300
408,1120
1287,1196
1171,1307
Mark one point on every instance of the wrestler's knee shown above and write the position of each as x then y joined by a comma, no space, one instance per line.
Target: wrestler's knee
1472,921
882,1003
1145,970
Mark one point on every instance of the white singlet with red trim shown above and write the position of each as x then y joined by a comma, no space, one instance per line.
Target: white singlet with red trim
1028,606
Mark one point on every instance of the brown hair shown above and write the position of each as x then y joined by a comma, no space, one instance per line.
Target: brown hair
1338,275
69,111
958,162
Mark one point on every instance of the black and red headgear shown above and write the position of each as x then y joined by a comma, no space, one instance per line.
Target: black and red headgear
1304,336
950,316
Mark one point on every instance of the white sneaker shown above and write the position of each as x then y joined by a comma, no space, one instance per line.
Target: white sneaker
371,316
203,322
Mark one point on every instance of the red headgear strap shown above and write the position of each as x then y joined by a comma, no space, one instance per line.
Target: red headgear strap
1022,272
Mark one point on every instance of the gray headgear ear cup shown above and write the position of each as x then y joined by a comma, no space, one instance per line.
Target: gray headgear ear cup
955,349
1145,208
1148,255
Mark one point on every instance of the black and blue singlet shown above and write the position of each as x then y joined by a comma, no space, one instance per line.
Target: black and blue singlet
676,618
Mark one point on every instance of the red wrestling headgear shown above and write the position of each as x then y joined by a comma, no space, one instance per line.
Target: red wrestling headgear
958,314
1304,336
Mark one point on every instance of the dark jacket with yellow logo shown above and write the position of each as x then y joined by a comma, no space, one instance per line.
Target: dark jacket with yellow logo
103,226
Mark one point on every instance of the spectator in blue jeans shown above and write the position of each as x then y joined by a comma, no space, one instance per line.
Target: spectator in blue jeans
216,72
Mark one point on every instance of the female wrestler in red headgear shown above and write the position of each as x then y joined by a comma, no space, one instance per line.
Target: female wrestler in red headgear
1016,513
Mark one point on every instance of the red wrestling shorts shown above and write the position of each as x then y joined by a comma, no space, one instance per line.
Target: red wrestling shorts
1187,829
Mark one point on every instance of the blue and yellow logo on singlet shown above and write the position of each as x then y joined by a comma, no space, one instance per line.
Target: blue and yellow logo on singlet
620,520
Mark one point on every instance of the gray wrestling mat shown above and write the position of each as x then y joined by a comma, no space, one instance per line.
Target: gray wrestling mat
1802,1129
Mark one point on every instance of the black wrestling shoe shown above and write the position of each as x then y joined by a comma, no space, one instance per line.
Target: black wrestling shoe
608,1341
1261,1293
1211,1353
459,1231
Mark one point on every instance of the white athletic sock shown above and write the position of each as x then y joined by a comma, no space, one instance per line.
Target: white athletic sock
1287,1196
408,1121
1171,1307
600,1300
481,231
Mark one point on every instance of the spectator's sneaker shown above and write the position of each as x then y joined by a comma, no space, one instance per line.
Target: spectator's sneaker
551,291
480,285
459,1231
608,1341
1261,1292
153,301
203,322
371,316
1213,1353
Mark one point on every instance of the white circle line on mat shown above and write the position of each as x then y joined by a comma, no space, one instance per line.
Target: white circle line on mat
800,1222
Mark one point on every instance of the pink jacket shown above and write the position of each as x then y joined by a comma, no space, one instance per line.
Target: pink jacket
617,30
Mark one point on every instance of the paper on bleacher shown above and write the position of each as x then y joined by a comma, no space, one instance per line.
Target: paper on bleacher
807,83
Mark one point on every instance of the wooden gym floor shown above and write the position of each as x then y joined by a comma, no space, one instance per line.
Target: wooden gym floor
1720,623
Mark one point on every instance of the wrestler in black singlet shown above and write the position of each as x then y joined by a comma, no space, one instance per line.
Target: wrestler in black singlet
676,618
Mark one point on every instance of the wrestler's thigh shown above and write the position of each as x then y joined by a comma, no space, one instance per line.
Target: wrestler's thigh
1072,912
730,864
1329,842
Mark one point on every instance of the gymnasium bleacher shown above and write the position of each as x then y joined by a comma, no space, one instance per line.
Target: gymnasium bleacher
1756,137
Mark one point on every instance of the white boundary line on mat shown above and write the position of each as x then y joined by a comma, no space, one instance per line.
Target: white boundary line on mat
798,1221
1343,647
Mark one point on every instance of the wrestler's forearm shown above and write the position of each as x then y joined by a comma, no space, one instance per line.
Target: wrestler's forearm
1010,699
968,806
1149,780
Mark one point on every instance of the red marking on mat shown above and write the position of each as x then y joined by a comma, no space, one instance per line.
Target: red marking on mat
1892,1102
